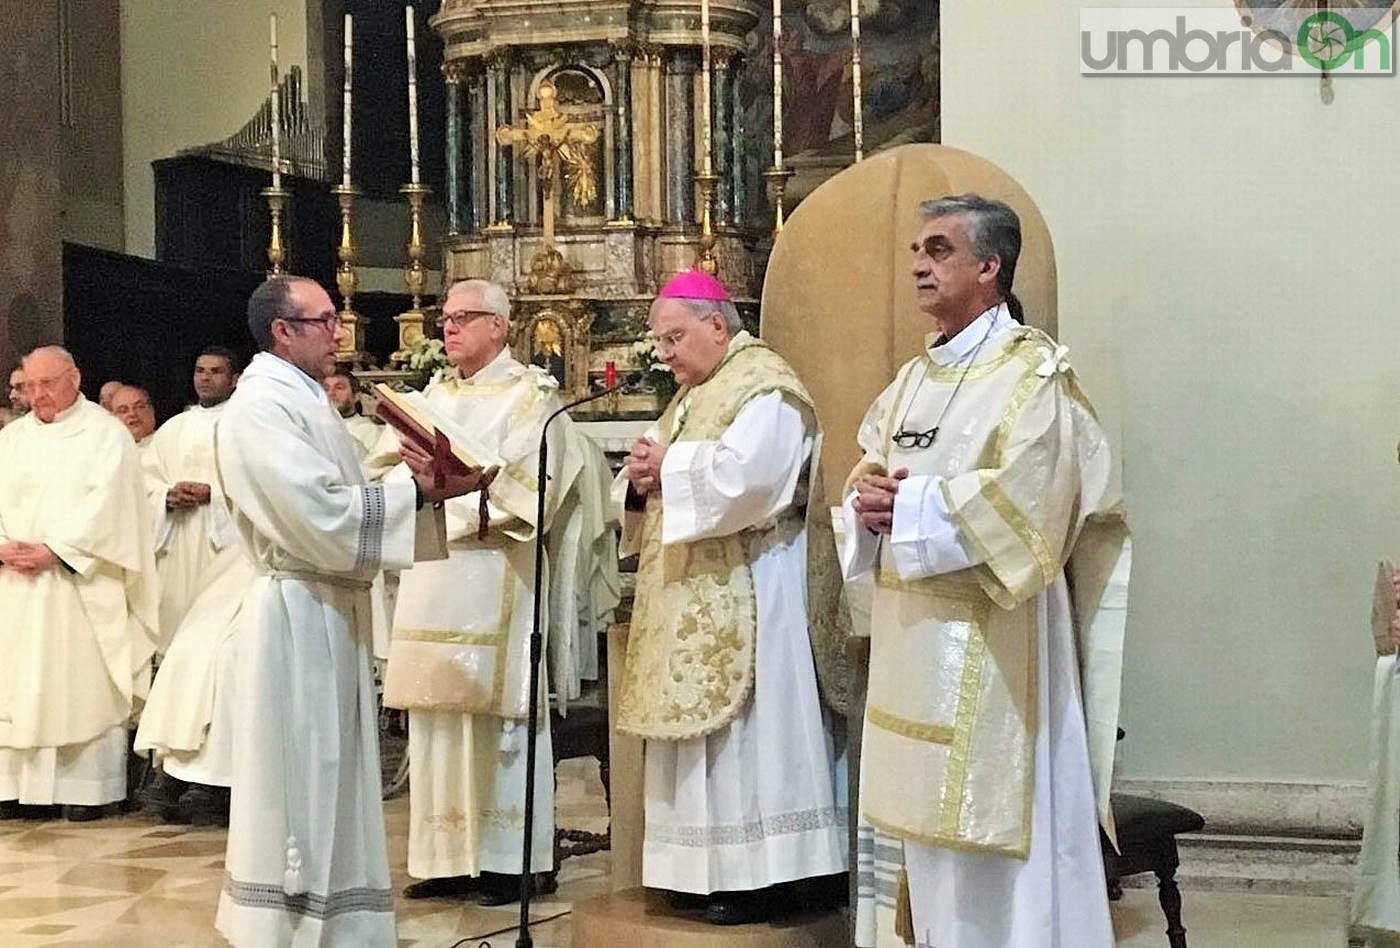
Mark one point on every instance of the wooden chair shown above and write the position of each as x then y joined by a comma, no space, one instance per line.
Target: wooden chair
1147,831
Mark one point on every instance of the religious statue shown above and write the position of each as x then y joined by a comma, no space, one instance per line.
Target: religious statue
561,145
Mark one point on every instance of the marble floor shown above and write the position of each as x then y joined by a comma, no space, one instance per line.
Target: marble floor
131,882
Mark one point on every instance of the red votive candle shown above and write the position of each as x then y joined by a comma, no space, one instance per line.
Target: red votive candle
610,375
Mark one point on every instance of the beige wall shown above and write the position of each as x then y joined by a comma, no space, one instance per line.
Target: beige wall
1226,250
31,281
192,73
91,166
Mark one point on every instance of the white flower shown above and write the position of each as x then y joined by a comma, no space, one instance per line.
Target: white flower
1056,360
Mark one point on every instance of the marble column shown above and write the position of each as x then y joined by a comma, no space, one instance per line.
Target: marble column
478,149
622,132
505,167
721,98
454,153
680,66
738,152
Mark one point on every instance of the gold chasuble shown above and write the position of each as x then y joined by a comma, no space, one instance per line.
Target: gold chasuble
690,651
952,704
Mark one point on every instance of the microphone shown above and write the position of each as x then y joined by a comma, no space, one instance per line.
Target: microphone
536,639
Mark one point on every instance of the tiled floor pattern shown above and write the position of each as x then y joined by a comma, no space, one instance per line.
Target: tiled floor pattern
134,883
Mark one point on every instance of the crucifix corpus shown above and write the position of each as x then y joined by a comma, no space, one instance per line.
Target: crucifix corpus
561,145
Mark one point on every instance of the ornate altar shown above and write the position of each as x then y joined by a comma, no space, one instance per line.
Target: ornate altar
583,232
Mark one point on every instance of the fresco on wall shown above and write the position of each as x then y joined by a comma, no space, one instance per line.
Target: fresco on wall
899,66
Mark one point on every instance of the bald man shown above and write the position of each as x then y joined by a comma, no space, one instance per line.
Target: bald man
77,588
105,393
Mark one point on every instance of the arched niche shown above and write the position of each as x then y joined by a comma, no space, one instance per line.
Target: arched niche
838,297
584,94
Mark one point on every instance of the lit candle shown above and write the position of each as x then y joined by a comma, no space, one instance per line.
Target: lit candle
276,109
609,374
349,72
412,97
778,84
858,113
705,86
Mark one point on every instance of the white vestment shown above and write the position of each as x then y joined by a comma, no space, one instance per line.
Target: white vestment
78,637
763,799
306,862
365,430
1056,897
467,766
187,540
1375,903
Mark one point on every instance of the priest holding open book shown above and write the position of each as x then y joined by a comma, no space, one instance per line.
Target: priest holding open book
458,660
306,861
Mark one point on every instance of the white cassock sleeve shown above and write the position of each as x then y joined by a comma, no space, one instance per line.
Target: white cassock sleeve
716,488
860,548
924,540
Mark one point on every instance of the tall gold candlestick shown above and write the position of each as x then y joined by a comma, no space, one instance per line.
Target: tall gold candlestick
415,275
858,113
778,181
276,249
706,259
346,280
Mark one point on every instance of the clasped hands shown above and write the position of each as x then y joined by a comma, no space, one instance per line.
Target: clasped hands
27,559
642,467
186,495
426,474
874,501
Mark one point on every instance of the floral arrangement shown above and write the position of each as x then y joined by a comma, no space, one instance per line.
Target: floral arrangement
656,375
426,359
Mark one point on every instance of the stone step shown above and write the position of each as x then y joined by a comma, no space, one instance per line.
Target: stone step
1291,865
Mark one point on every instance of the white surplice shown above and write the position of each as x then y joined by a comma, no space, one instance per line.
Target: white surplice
1056,898
187,540
762,800
306,862
467,770
365,430
77,637
1375,901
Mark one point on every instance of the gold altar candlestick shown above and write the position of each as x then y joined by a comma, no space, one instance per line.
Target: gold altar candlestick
415,275
276,249
778,181
706,259
346,279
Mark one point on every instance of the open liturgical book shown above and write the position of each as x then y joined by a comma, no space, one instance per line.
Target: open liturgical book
453,448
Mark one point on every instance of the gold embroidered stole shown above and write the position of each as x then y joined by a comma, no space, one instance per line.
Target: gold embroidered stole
952,708
690,651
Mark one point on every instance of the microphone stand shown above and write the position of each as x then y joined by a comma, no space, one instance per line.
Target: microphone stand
536,639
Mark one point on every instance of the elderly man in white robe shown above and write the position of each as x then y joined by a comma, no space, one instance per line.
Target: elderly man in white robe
131,404
77,589
743,792
986,479
306,862
458,661
203,573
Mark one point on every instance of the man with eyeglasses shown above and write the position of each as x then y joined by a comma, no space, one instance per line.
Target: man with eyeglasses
187,723
737,613
458,658
986,481
78,592
306,860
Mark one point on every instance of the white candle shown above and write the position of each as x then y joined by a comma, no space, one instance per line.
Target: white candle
349,73
276,109
858,113
778,84
705,87
412,98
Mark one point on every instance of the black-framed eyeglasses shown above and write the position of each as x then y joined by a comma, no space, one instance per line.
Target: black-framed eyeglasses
330,322
915,439
464,317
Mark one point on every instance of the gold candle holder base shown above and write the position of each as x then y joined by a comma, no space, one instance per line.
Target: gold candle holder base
352,348
777,182
276,248
706,259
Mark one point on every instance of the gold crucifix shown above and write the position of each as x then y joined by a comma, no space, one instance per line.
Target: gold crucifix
560,144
